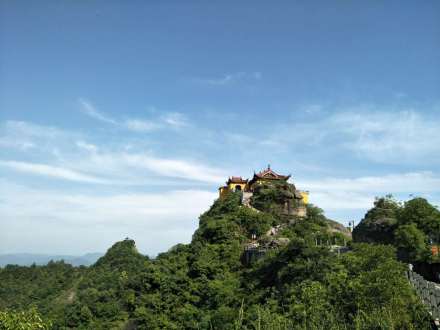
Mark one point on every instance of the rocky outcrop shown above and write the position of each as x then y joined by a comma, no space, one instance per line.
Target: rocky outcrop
380,230
336,227
379,223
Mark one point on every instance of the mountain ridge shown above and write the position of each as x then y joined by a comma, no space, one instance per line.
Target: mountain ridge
27,259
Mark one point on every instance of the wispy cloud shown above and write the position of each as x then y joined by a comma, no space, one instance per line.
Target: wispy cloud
395,136
173,120
138,125
126,168
175,168
312,109
86,146
231,78
337,193
51,171
68,156
12,143
90,110
14,128
411,182
119,169
369,132
29,137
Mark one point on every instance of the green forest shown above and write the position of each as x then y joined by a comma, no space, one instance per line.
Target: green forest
299,282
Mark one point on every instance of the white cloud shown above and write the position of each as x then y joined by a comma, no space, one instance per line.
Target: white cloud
166,120
312,109
175,119
405,182
50,221
391,136
231,78
380,135
142,168
119,168
16,144
138,125
24,134
63,159
359,193
87,146
26,129
342,200
175,168
90,110
51,171
31,138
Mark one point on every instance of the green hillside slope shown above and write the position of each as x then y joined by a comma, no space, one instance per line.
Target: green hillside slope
297,282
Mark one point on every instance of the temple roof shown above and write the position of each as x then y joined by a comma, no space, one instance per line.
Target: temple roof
236,179
268,173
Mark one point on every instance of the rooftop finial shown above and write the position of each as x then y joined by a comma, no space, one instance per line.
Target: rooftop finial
268,166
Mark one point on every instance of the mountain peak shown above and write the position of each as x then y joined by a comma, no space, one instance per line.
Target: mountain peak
121,254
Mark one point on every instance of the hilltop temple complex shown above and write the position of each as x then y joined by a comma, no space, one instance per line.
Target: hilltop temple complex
247,187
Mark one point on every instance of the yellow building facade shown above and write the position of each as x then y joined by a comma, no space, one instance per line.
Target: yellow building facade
237,183
234,183
305,195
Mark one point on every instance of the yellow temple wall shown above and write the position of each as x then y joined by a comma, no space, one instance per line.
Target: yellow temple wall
222,191
232,186
305,196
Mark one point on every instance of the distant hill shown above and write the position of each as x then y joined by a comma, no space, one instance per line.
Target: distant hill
27,259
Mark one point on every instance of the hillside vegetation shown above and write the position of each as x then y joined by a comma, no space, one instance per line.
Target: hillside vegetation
299,284
412,227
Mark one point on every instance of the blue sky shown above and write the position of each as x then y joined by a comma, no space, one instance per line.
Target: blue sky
122,118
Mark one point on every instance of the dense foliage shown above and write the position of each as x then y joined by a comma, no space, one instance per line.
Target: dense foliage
412,227
23,320
300,284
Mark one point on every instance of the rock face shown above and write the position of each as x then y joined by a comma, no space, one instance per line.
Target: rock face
379,223
279,198
336,227
246,199
299,211
375,231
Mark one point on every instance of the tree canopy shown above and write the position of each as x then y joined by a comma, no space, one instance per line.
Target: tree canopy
412,227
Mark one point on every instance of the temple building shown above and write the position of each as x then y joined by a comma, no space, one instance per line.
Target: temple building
237,183
267,175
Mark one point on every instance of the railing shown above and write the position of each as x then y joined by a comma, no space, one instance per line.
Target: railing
429,292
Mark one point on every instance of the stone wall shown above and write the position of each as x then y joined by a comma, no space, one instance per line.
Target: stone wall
429,293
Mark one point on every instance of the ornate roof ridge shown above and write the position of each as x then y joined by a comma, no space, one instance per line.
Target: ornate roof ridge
268,170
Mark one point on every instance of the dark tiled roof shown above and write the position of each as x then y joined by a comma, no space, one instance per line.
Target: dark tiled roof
269,174
236,179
